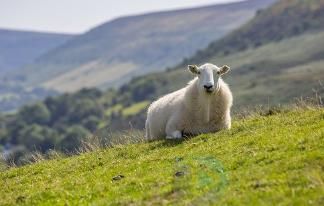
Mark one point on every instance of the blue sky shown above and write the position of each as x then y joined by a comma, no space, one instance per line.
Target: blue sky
76,16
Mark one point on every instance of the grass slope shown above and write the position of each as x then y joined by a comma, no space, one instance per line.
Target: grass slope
262,160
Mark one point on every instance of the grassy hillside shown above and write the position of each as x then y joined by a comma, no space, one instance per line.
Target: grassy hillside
18,48
273,73
271,159
113,53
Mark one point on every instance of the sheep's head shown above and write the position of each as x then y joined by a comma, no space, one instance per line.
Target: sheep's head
208,76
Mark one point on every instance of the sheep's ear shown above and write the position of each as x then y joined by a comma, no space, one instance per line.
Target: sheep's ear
223,70
193,69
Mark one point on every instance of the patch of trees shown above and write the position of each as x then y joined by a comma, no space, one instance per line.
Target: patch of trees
62,123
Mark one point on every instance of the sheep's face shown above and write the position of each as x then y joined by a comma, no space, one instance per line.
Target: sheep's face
208,76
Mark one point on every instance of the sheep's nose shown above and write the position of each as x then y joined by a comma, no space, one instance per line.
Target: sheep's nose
208,87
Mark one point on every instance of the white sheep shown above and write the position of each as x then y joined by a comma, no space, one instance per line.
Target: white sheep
203,106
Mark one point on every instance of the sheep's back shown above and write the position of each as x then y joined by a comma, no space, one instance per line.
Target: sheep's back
162,109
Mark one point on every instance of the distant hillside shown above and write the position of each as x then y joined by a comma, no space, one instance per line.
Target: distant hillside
269,65
13,96
116,51
18,48
286,18
263,160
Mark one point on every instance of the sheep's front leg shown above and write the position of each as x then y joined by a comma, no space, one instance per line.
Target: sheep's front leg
172,131
174,135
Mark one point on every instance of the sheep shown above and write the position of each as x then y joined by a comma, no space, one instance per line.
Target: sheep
203,106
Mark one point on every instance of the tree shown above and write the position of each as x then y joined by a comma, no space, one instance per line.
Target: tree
73,138
37,137
91,123
35,114
31,136
3,135
89,93
84,108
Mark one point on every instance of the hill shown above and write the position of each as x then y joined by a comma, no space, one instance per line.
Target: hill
113,53
18,48
276,72
286,18
269,65
263,160
270,74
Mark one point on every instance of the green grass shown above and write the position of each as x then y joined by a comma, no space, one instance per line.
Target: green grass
263,160
115,108
135,108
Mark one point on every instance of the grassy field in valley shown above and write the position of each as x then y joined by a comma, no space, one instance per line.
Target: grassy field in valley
270,159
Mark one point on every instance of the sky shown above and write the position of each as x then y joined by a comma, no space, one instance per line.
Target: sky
77,16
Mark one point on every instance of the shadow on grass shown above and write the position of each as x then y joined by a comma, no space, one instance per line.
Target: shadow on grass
175,142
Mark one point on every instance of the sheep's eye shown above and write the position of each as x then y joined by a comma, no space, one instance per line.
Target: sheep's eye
198,72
